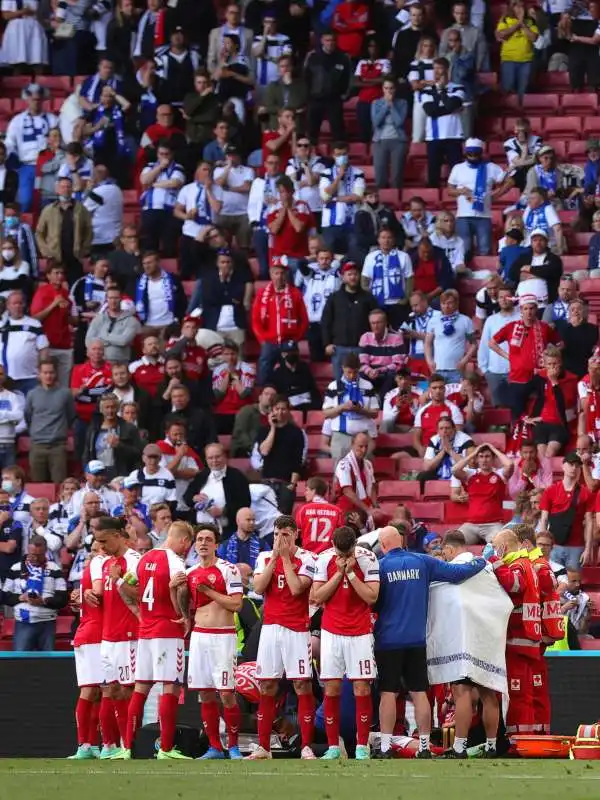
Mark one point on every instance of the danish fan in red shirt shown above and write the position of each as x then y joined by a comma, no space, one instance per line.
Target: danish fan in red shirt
316,522
281,607
157,614
486,491
345,613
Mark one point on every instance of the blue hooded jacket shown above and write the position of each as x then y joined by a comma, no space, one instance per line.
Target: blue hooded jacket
404,595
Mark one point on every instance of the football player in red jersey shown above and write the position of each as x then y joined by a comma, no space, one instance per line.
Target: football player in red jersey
284,577
347,585
214,590
318,519
160,650
119,627
88,663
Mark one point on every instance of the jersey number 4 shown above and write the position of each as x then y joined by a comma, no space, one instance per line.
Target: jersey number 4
148,596
320,529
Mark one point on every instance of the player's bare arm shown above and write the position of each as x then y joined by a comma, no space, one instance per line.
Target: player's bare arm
230,602
322,591
368,592
297,584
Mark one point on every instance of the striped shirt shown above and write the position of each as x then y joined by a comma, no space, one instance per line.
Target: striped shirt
381,356
156,199
158,487
276,45
338,393
447,126
335,213
53,584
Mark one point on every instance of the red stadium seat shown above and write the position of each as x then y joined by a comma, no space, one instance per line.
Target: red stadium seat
314,421
591,126
430,196
390,197
398,490
385,467
393,442
427,511
497,439
436,490
298,418
495,416
485,262
242,464
562,128
47,490
323,467
581,104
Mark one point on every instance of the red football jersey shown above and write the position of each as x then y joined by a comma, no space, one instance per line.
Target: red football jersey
89,630
222,576
119,623
428,416
316,522
486,495
345,613
154,572
281,607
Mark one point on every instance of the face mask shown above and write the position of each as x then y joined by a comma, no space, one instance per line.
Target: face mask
341,161
11,223
488,552
292,358
8,486
8,255
64,198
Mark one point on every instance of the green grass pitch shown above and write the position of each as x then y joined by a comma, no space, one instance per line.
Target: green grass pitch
295,780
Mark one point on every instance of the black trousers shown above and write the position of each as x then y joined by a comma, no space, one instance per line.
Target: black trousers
584,67
160,231
438,152
333,112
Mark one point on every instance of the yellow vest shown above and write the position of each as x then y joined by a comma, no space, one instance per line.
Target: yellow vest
562,644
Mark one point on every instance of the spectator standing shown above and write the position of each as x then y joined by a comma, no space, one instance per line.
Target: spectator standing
495,367
449,341
317,281
226,298
88,295
381,352
328,74
176,65
372,215
23,344
537,271
96,486
350,22
231,26
531,472
289,91
159,297
15,228
47,166
36,589
161,181
52,306
49,412
232,384
111,440
26,136
89,381
429,414
263,199
235,182
342,187
485,489
279,452
388,273
104,201
294,379
214,150
64,231
517,32
352,406
248,422
267,49
567,513
289,223
555,407
442,104
473,39
406,40
278,316
475,183
11,419
579,336
369,77
346,317
234,76
527,339
11,540
281,141
390,142
420,75
148,371
202,111
558,311
225,486
415,329
125,262
115,328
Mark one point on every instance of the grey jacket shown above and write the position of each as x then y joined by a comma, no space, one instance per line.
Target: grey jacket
117,334
49,414
473,41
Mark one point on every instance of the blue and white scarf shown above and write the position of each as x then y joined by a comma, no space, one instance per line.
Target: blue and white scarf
141,294
559,310
395,277
268,189
348,390
90,285
547,180
30,130
35,579
444,471
118,120
420,324
233,546
345,187
480,190
202,206
536,218
448,323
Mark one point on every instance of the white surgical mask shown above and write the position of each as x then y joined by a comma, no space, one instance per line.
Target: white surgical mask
341,161
8,255
8,486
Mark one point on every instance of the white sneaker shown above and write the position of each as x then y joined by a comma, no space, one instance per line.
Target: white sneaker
259,755
307,753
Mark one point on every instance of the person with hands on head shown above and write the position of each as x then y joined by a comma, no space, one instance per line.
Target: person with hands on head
212,590
486,490
284,577
346,585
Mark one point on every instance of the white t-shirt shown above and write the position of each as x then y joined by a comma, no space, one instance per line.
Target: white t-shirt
158,308
531,222
235,204
191,197
533,285
464,176
448,350
404,270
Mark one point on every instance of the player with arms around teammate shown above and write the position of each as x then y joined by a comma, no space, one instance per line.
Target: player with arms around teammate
119,628
213,588
317,519
284,577
160,650
347,585
88,663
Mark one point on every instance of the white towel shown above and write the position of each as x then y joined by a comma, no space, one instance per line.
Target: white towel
466,632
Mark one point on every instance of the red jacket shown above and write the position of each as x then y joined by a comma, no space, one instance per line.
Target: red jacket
279,317
519,581
350,22
95,382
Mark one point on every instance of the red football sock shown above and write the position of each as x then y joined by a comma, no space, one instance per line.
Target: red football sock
121,713
332,720
167,715
94,729
364,716
265,717
232,717
108,722
306,718
135,714
83,710
210,720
